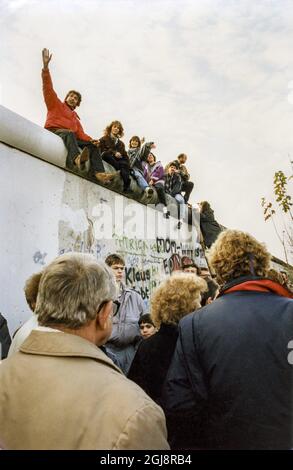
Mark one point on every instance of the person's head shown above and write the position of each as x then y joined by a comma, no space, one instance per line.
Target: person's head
235,254
210,295
204,206
146,326
31,289
173,167
117,264
284,276
73,99
115,129
76,293
188,265
204,273
182,158
175,297
151,158
134,142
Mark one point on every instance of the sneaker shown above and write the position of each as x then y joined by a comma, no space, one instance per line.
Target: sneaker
179,225
149,191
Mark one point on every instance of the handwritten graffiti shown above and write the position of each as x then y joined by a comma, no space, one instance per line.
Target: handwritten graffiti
172,264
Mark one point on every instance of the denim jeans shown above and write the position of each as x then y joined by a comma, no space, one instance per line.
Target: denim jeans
140,179
180,200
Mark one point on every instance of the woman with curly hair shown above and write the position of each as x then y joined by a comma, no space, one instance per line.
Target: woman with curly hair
177,296
229,385
113,151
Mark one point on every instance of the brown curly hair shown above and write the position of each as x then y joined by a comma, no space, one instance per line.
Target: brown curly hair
175,297
235,254
107,131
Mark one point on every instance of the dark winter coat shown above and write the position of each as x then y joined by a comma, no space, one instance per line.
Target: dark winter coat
210,228
151,362
230,382
173,184
110,146
5,340
139,155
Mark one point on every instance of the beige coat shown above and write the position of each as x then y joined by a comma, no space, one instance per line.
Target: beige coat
62,392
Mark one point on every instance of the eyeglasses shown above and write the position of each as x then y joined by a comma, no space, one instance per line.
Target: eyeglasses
116,306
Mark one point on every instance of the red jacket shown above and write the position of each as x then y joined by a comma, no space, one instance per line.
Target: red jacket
60,115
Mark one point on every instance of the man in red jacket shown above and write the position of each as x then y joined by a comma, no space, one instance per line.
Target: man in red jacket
64,121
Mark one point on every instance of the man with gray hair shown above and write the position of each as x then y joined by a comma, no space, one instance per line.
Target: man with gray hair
60,390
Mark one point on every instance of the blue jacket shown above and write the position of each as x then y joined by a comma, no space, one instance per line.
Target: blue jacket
230,384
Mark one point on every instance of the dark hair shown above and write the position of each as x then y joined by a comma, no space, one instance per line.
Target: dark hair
187,262
107,131
205,205
211,292
135,137
174,163
181,155
151,153
146,318
77,94
114,259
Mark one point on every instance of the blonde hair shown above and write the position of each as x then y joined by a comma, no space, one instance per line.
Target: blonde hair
235,254
175,297
71,290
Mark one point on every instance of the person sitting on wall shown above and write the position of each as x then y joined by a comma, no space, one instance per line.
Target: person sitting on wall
113,152
173,185
209,227
154,175
125,333
60,391
64,122
186,186
137,154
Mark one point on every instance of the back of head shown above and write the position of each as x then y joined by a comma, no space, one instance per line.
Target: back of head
31,289
71,290
175,297
235,254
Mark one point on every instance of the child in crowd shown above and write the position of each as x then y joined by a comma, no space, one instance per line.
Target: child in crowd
113,151
137,154
154,175
146,326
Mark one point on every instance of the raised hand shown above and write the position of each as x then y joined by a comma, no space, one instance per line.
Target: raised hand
46,58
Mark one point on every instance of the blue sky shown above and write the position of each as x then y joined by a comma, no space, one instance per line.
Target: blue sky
212,79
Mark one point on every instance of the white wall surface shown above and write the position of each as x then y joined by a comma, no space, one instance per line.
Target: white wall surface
46,211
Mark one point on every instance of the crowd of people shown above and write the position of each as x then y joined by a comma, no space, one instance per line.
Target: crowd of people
206,368
86,154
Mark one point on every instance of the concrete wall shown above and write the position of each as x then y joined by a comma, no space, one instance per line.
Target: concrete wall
46,210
